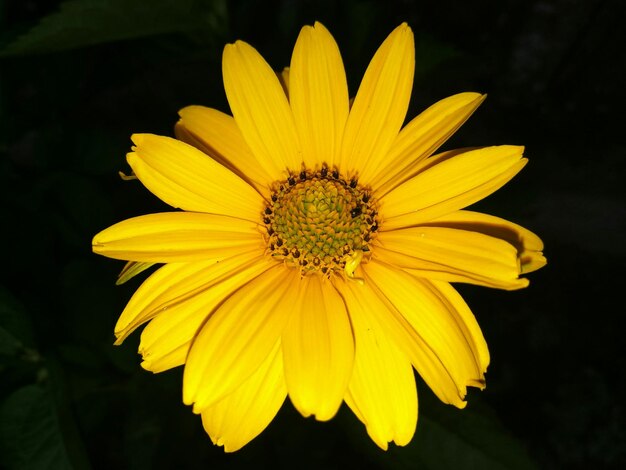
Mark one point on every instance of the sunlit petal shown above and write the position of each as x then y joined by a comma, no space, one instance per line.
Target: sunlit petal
172,284
382,390
433,317
423,135
217,134
529,246
261,110
186,178
368,298
238,337
172,237
450,185
180,312
380,105
318,349
239,417
479,258
318,94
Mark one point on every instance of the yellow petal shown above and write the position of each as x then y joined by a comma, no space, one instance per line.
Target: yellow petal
239,336
318,349
382,390
283,78
450,185
172,237
532,261
241,416
261,109
174,284
161,358
464,254
131,269
380,105
318,94
366,300
466,320
423,135
422,166
187,178
182,306
434,319
529,246
221,138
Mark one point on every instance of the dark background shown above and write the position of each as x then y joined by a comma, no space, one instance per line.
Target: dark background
78,77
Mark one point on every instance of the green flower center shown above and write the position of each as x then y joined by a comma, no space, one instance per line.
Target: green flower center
319,221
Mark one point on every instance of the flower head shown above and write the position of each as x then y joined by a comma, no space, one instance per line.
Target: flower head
315,246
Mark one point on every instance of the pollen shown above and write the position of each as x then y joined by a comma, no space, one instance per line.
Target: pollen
320,221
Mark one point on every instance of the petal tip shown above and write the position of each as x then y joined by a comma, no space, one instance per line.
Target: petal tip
138,139
402,32
236,46
403,26
479,383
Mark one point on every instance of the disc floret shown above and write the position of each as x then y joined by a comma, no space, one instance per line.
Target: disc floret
320,221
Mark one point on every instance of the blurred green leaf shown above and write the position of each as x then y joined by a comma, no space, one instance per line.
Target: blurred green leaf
78,199
15,327
81,290
9,346
30,436
429,53
474,440
448,438
80,23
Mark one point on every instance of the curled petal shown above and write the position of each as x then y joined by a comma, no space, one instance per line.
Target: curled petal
529,246
452,254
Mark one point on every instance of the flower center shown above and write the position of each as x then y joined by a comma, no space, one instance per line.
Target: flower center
320,222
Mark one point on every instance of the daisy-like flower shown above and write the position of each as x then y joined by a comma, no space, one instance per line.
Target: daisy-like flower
316,244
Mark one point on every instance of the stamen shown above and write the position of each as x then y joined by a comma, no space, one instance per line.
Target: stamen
352,263
320,221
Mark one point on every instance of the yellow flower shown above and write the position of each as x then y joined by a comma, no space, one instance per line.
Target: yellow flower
316,245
